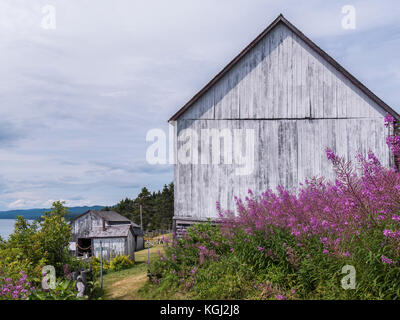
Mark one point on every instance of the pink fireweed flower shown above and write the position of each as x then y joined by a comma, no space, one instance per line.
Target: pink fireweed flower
260,248
387,233
396,218
330,154
193,271
386,260
389,120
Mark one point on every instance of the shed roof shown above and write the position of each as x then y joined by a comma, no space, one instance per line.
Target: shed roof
115,231
110,216
137,230
322,53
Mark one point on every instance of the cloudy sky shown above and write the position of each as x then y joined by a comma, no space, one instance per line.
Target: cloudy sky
77,101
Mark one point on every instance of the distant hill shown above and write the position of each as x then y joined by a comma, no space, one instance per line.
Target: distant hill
32,214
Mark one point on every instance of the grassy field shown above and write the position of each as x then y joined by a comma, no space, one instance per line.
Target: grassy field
124,285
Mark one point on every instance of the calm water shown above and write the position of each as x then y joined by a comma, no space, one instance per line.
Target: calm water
7,227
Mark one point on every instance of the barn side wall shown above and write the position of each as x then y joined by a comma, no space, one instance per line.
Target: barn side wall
297,105
286,153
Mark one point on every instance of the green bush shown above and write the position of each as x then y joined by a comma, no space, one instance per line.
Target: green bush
118,263
121,262
209,264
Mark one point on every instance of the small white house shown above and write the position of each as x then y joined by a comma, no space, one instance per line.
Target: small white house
107,229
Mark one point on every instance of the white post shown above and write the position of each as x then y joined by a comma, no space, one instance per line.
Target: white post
101,265
148,251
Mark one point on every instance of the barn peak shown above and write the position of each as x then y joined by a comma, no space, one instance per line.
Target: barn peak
281,20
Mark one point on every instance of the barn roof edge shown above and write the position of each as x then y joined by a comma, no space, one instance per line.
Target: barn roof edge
315,47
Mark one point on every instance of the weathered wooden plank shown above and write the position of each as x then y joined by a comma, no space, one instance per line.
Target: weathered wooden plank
274,90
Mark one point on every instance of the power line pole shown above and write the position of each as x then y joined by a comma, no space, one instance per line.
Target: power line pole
141,218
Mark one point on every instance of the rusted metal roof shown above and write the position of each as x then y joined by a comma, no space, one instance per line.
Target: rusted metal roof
328,58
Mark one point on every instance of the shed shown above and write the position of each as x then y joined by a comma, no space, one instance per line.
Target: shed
266,119
116,233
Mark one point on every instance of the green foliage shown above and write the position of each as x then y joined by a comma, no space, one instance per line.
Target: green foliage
242,264
54,235
95,263
34,245
118,263
227,278
31,246
65,290
158,208
121,262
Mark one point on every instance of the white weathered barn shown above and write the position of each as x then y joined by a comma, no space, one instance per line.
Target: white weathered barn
292,100
117,235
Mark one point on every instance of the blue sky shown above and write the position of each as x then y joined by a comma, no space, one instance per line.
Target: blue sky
76,102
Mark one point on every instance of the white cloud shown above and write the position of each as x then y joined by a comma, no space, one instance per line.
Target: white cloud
79,98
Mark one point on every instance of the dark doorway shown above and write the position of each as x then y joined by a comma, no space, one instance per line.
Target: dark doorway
84,247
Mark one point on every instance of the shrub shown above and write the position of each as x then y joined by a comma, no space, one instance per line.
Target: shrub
95,263
121,262
292,244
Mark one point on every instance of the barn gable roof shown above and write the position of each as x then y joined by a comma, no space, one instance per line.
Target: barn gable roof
281,19
110,216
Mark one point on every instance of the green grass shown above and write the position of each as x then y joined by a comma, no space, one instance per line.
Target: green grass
124,285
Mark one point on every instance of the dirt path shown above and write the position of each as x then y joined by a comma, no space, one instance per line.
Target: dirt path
126,289
124,285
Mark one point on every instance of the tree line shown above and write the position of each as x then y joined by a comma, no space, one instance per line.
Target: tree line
157,206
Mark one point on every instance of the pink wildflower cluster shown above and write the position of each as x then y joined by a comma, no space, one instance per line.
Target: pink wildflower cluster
393,140
20,289
362,197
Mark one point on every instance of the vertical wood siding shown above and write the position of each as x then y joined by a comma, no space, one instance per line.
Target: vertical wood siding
111,247
282,77
297,104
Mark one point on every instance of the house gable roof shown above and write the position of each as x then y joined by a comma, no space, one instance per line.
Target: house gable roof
322,53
